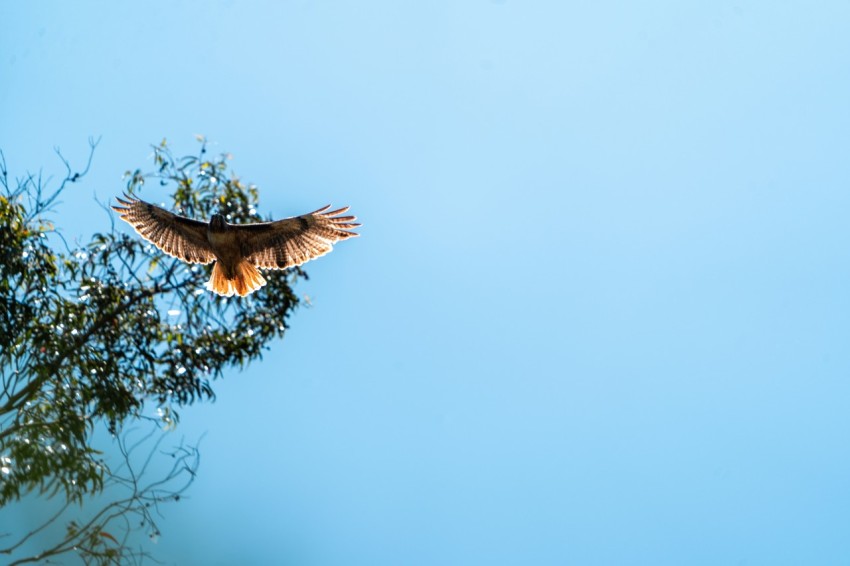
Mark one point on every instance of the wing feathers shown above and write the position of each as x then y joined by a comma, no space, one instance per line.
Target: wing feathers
178,236
297,240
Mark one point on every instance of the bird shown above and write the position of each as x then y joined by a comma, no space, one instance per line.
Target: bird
238,250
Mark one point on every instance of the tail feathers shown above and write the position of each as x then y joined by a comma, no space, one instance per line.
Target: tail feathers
246,279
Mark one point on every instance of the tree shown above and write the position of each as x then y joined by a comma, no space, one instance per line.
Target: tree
100,335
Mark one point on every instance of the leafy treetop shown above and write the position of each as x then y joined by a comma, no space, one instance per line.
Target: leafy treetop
100,333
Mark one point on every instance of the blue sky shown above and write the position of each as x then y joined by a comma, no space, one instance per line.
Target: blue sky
599,310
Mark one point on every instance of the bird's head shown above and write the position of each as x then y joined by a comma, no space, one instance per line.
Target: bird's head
217,222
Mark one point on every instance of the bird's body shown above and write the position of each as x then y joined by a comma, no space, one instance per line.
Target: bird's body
238,249
225,247
231,272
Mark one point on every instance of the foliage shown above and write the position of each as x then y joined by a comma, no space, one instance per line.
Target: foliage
106,333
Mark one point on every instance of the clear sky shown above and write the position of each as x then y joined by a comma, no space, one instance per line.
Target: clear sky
600,309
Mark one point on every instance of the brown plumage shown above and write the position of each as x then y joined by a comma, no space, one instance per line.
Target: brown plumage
238,249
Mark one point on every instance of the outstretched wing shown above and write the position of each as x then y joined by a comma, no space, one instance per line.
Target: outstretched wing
293,241
178,236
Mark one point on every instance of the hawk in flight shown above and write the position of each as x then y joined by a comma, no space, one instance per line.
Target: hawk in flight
238,249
